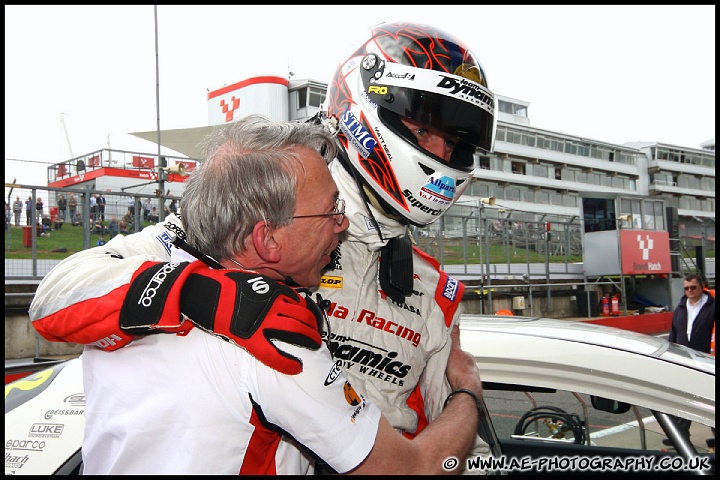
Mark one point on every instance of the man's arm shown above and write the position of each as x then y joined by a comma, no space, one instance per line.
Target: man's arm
99,297
80,299
450,436
672,337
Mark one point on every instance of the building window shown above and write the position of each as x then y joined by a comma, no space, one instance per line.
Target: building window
514,137
557,145
594,178
512,194
518,168
598,214
315,97
539,170
542,197
708,184
302,97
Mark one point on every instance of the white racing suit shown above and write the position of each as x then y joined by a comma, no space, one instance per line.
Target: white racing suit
396,354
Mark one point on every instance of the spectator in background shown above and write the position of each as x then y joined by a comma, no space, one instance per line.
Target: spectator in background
131,205
39,207
129,221
46,222
17,210
147,206
59,222
76,219
93,208
154,216
97,227
28,210
101,241
123,226
42,231
113,227
692,325
100,200
72,205
62,206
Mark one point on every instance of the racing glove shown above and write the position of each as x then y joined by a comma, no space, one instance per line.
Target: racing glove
244,308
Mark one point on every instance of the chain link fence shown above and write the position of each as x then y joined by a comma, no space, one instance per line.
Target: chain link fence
43,225
471,240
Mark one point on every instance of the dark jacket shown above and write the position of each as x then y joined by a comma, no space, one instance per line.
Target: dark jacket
702,327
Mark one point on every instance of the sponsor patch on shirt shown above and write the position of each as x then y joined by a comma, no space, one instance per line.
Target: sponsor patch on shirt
331,281
166,240
450,290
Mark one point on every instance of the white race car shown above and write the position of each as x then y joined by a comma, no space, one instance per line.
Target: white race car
560,397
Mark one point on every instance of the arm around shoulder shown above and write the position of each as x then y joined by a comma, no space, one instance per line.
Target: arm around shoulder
444,444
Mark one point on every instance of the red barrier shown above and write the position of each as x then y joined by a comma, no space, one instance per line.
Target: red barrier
648,323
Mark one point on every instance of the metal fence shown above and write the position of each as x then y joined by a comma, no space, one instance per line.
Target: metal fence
474,242
29,232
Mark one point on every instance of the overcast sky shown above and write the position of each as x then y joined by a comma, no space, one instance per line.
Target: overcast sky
611,73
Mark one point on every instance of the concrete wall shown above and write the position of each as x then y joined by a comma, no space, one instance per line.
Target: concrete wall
22,341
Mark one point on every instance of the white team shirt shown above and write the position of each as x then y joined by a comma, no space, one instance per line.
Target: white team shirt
171,404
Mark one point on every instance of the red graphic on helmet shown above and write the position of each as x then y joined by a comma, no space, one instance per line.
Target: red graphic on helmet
406,71
426,47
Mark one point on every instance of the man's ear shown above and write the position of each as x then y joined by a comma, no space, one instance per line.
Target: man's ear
265,242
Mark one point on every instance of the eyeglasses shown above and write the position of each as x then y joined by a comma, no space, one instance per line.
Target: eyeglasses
691,288
339,210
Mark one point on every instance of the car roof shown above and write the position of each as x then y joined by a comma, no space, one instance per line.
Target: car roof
593,359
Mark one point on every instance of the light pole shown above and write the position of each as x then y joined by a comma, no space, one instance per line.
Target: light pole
161,159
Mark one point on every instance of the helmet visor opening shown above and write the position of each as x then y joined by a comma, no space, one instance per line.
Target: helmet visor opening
455,117
447,119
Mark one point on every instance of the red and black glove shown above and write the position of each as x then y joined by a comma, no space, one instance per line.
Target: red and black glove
244,308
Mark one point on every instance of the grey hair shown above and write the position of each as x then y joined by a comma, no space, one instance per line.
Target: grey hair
249,173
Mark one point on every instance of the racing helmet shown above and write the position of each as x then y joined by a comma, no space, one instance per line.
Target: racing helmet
424,74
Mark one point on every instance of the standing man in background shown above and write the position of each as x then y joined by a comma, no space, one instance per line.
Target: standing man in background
17,210
692,326
72,205
100,201
93,209
28,210
62,206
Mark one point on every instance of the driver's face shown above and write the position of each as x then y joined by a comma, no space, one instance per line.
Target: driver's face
431,139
